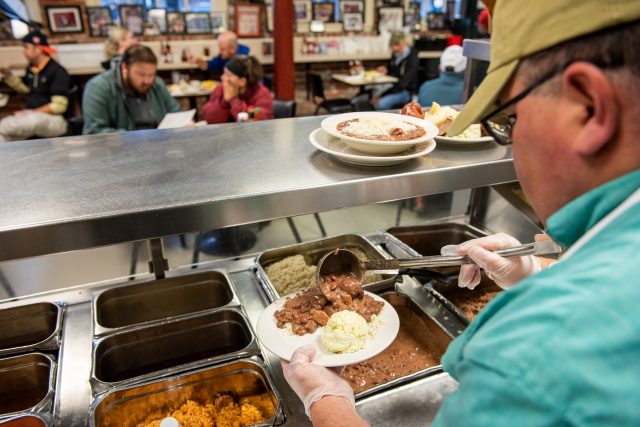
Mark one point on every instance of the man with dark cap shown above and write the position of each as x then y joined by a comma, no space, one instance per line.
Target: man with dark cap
560,346
128,97
404,65
46,87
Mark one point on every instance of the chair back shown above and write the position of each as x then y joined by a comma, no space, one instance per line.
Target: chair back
362,102
284,108
315,89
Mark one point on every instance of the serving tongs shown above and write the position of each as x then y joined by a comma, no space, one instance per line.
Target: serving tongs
343,261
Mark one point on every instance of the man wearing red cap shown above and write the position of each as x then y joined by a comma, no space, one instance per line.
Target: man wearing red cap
46,87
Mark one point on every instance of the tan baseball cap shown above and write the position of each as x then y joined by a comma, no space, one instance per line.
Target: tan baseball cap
523,27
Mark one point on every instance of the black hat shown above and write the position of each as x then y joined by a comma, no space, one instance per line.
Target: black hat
38,39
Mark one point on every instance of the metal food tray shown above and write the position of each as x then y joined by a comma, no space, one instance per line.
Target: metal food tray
148,352
30,327
27,383
245,378
444,293
426,240
424,328
315,250
26,420
118,308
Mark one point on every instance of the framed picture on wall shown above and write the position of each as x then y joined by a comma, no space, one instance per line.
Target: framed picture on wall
351,6
302,10
66,19
323,12
99,20
218,22
132,18
175,23
412,17
390,19
197,22
268,5
352,22
158,19
248,20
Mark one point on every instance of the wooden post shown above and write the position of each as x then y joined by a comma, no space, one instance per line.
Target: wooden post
283,66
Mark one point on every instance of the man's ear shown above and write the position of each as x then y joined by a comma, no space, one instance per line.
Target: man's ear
588,88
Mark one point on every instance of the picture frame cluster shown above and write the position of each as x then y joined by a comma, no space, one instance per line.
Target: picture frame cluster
133,17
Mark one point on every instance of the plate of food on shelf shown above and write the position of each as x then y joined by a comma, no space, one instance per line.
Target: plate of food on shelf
379,133
339,149
442,117
346,325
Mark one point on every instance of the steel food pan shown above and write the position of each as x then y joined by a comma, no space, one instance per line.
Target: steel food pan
463,302
30,327
147,352
388,370
30,420
425,240
313,251
245,379
117,308
26,383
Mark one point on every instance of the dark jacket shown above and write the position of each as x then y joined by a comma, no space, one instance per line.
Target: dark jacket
406,72
104,109
217,110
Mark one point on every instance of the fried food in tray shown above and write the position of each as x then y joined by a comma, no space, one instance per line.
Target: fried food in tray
225,410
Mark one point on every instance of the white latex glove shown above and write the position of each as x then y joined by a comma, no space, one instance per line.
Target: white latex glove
312,382
506,272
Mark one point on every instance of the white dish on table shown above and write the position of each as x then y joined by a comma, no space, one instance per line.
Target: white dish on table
330,125
283,344
462,141
343,152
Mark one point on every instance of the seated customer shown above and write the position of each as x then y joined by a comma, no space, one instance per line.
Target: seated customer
128,97
447,88
403,65
119,40
46,85
228,47
239,91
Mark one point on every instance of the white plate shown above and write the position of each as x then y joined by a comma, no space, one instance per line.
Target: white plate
462,141
337,147
331,123
283,344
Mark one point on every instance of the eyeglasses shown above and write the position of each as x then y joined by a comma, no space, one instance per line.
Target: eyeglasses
499,125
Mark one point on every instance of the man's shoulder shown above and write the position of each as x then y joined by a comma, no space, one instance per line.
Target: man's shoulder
103,81
55,68
243,49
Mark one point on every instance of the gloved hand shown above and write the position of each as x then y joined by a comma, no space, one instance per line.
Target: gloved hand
506,272
312,382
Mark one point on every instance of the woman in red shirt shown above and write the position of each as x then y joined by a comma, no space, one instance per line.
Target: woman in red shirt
239,91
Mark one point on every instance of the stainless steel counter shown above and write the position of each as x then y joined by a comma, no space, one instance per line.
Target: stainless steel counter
412,404
80,192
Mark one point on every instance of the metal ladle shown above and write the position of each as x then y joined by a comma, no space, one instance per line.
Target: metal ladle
344,262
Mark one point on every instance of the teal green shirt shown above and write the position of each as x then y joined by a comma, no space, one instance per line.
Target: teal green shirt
562,348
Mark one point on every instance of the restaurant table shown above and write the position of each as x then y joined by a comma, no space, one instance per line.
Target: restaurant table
192,95
362,82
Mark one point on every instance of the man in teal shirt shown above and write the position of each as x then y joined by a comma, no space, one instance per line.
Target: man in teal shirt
561,346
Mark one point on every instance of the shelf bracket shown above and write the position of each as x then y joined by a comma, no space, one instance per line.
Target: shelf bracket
158,263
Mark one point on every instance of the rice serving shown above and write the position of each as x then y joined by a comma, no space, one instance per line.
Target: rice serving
291,274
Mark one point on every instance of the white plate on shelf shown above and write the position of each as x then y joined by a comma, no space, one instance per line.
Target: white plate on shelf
367,146
462,141
341,151
283,344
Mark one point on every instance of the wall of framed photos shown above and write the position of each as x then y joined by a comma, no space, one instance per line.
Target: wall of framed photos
89,21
